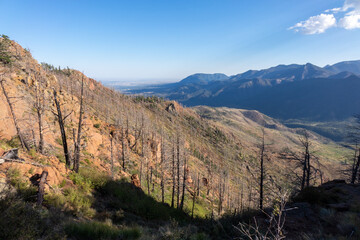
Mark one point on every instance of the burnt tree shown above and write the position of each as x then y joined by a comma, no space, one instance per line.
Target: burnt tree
79,130
23,142
61,121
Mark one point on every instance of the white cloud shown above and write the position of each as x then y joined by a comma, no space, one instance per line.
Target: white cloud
349,19
334,10
315,24
352,4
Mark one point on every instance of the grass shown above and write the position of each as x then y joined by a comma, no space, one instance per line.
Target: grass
24,189
123,195
100,230
79,199
21,220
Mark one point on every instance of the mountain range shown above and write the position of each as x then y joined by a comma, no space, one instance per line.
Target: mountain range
285,92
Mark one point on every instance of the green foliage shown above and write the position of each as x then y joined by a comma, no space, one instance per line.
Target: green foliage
151,99
14,142
49,67
20,220
24,189
216,135
5,56
58,140
72,200
96,125
82,182
98,230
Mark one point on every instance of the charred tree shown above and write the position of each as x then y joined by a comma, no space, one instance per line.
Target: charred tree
61,121
39,106
173,173
184,184
79,132
23,142
262,171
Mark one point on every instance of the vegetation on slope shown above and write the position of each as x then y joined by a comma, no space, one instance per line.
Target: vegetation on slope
144,161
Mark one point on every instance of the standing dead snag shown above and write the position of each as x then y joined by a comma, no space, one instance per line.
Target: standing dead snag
196,192
306,161
173,172
61,121
78,139
123,149
178,171
41,191
12,112
184,184
111,153
39,106
162,163
355,165
40,181
262,171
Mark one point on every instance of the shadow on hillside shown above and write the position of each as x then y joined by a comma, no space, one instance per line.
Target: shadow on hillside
122,201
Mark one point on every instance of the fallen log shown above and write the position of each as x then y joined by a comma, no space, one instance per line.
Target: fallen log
11,154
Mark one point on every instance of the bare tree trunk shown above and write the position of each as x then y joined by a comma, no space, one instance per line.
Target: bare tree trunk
184,184
195,193
41,191
39,107
178,172
21,138
308,170
220,197
162,162
262,150
62,130
173,175
355,167
78,141
41,135
123,150
147,175
112,156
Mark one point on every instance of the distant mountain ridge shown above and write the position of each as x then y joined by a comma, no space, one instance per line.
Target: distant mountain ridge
347,66
285,92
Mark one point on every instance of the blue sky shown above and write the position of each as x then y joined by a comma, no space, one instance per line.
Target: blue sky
168,40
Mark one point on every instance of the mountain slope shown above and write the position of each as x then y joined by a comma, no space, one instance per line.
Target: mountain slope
347,66
303,92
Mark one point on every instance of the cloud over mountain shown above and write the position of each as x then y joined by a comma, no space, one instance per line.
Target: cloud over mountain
347,17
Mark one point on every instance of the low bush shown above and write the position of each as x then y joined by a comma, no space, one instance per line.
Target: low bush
99,230
314,195
21,220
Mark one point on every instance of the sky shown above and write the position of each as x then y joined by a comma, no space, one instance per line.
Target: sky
163,40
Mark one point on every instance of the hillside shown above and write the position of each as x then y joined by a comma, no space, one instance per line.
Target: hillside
128,148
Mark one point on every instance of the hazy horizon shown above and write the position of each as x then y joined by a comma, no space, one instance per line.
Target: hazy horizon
144,41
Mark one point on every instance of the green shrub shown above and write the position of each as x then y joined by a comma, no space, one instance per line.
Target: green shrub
82,182
20,220
24,189
96,125
5,56
14,142
123,195
315,195
98,230
80,203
